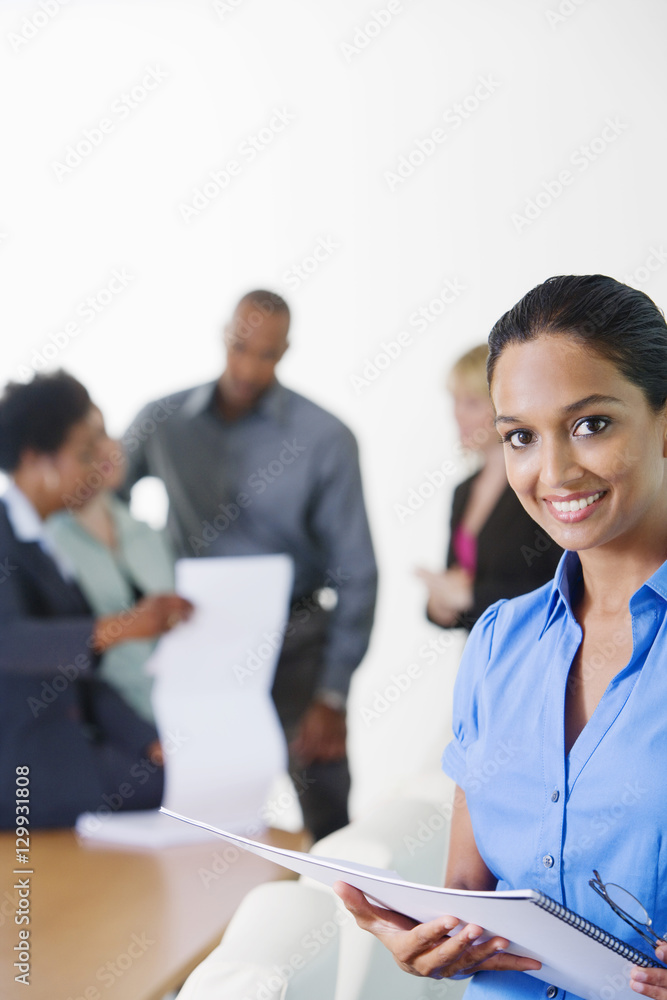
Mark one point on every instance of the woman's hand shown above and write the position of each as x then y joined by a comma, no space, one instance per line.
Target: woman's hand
449,593
149,618
651,982
427,949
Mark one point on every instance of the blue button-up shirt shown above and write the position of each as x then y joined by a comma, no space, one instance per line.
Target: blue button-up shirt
544,820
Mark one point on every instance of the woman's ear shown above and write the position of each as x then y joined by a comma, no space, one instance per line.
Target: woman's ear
50,474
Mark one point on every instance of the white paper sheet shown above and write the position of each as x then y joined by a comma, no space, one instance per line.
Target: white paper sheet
570,959
223,742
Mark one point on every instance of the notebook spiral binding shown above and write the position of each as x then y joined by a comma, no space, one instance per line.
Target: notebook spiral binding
595,932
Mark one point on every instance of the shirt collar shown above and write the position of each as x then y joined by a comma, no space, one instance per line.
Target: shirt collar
271,404
29,527
567,580
656,584
199,399
24,519
565,584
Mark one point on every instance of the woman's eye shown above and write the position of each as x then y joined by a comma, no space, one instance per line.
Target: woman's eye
519,439
589,426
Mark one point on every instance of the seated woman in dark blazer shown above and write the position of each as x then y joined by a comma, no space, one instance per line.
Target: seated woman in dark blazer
495,549
85,748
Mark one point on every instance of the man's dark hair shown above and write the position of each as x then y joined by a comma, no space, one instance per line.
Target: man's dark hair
39,415
619,323
269,302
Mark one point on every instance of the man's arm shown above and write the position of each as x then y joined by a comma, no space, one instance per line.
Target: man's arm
340,523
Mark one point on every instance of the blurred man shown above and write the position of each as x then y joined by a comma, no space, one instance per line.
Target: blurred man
252,468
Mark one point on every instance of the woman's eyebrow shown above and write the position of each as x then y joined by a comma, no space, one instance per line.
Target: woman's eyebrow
595,398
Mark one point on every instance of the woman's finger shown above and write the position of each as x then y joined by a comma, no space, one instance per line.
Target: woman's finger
369,917
464,954
649,982
386,924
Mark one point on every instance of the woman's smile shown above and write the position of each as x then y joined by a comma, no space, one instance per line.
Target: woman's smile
575,506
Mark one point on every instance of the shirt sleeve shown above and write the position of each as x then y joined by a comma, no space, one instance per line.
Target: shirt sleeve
524,560
339,522
467,690
42,647
134,445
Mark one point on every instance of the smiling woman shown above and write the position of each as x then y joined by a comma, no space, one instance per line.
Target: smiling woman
574,672
582,464
585,464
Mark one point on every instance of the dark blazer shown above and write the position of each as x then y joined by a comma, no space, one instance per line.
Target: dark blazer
514,555
75,733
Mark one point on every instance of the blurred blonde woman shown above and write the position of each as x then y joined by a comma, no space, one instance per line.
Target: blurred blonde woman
495,549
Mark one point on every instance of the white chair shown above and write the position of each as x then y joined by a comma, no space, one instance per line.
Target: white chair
281,944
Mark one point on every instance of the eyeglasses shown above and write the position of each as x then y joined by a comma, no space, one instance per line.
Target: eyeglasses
627,907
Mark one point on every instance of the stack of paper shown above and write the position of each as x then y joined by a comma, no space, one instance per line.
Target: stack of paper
218,725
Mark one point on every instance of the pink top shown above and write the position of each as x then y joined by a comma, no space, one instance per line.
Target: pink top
465,549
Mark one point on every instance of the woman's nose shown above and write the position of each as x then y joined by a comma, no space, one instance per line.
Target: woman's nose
559,465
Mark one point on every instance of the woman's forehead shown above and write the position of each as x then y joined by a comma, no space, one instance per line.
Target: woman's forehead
555,371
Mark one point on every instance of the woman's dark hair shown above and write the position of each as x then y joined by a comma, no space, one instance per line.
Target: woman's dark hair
619,323
39,415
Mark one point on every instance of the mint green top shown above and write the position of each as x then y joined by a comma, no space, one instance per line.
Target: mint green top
142,556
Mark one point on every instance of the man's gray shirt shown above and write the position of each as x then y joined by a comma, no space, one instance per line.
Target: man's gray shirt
283,478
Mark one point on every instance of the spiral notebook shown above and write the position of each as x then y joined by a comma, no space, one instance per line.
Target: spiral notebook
576,955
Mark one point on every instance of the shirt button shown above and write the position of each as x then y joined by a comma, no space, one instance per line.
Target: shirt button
554,795
552,991
548,861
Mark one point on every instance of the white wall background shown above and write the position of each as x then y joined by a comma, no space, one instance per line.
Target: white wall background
360,96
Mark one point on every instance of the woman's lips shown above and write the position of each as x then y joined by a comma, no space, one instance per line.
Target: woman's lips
574,507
